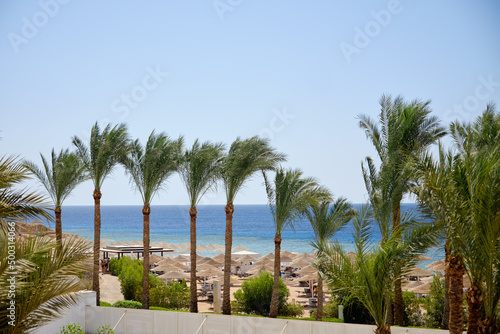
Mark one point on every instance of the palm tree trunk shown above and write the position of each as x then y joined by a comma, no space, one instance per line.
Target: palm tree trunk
446,312
398,291
319,309
273,313
475,302
455,271
57,211
193,306
146,211
97,243
489,325
383,329
226,298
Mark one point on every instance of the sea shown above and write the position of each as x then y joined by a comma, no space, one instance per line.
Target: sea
253,227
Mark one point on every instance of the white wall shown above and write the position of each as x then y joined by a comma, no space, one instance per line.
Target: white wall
162,322
74,315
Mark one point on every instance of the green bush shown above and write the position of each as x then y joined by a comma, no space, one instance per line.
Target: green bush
293,309
130,278
127,304
72,329
105,304
254,297
434,304
412,314
105,330
116,266
330,310
174,296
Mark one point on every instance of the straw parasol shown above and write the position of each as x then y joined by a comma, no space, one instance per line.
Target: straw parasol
246,259
205,266
418,272
422,289
261,268
286,259
184,258
117,243
423,258
436,265
172,261
264,262
154,258
269,256
239,248
167,267
210,272
289,254
307,270
299,263
305,256
174,275
310,277
201,248
219,257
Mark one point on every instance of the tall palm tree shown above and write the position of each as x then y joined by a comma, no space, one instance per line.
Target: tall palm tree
104,151
289,196
436,193
149,167
405,130
244,159
326,219
15,203
371,275
200,169
60,177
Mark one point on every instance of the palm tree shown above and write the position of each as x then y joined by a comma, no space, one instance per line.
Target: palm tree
45,280
289,196
200,169
405,130
15,203
149,167
436,193
105,150
60,177
326,219
244,159
371,275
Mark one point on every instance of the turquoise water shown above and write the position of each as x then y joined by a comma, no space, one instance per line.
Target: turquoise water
253,227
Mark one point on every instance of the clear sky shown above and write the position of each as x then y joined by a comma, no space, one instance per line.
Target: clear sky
298,72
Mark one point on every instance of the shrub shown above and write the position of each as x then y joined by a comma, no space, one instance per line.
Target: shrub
254,297
105,304
293,309
127,304
434,304
174,296
130,278
72,329
116,266
412,314
105,330
330,310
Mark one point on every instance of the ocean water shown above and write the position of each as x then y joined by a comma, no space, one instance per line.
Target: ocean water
253,227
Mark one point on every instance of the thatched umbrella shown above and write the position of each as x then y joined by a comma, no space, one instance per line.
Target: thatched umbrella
305,256
308,278
174,262
418,272
288,254
210,272
307,270
261,268
422,289
218,257
299,263
264,262
286,259
246,259
239,248
205,266
154,258
269,256
436,265
423,258
174,275
167,267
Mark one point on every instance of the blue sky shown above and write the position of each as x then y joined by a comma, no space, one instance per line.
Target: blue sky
297,72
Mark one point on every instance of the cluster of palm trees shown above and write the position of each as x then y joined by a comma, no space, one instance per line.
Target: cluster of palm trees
459,192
